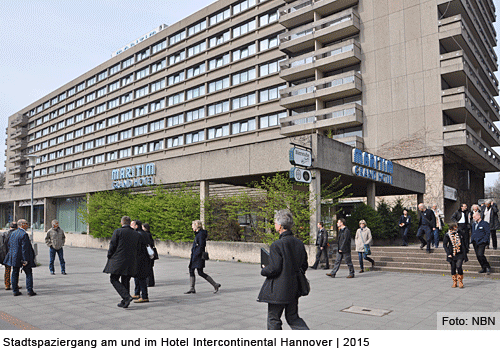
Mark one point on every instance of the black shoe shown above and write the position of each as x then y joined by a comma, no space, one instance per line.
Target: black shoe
350,276
52,273
120,304
17,293
326,268
330,275
483,270
63,273
488,271
126,302
422,246
31,294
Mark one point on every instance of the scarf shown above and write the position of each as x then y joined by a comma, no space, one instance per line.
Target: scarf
455,241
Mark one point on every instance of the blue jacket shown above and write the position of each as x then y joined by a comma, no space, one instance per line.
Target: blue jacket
199,244
20,249
480,233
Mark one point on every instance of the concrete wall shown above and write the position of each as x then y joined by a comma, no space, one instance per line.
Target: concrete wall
227,251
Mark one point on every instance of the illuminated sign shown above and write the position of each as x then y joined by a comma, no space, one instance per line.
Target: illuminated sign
134,176
300,157
300,175
371,166
139,40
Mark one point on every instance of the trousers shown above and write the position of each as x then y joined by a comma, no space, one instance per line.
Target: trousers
274,312
52,253
121,284
338,260
15,279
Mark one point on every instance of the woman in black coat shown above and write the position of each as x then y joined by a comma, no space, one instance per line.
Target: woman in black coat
151,242
196,262
456,253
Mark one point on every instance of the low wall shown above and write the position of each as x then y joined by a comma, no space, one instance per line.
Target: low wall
227,251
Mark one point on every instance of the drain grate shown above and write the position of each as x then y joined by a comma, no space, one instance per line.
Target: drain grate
361,310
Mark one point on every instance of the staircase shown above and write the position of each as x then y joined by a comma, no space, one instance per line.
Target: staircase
412,259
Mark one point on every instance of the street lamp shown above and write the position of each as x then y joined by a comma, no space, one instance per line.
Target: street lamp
31,163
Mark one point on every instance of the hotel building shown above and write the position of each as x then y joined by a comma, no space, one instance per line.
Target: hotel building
220,96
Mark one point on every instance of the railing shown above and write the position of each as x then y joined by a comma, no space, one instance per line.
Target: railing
479,28
315,57
20,119
481,86
485,150
313,88
292,8
312,119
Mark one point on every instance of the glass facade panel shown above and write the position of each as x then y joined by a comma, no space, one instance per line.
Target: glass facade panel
67,214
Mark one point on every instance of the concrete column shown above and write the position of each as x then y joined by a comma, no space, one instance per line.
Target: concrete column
17,211
420,198
49,212
315,203
370,194
204,195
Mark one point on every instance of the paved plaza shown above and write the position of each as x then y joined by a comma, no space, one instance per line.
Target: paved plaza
84,299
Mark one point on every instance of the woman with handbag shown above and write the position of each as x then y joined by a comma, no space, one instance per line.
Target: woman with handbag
151,276
363,240
197,255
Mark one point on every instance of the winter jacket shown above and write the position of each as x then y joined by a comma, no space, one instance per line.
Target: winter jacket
55,238
199,244
367,237
344,242
122,253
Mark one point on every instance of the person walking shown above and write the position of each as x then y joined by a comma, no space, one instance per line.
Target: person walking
321,247
462,218
55,241
426,225
280,290
404,226
480,235
143,265
20,254
456,253
438,225
344,249
122,260
149,237
363,238
489,213
4,248
196,261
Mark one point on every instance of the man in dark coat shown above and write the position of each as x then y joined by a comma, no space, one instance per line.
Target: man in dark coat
404,226
480,238
280,289
461,217
322,247
143,265
344,249
122,260
489,213
426,224
4,247
21,254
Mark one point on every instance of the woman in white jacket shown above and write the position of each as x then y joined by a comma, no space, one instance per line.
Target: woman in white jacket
363,236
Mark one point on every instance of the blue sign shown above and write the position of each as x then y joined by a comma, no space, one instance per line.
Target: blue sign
372,167
134,176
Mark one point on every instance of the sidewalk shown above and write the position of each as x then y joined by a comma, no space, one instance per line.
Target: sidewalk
84,299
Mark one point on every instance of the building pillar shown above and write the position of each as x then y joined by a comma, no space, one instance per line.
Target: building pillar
420,198
204,196
49,212
17,214
315,203
370,194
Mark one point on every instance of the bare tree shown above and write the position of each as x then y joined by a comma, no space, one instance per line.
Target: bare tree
493,192
2,179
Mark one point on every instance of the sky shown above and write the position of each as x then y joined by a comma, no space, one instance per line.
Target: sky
44,44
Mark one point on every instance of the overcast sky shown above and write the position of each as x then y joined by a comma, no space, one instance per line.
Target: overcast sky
45,44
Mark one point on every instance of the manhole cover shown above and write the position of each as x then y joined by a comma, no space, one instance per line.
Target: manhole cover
366,311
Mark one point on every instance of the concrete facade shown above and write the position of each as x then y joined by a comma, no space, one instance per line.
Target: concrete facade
231,86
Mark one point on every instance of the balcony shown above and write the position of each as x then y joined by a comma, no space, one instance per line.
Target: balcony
20,120
326,30
461,107
17,169
17,158
19,145
454,35
330,88
345,116
464,142
19,132
302,11
329,58
457,70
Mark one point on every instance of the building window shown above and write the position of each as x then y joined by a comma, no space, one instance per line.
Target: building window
140,111
127,80
88,161
79,148
218,84
128,62
175,141
79,87
71,92
271,120
55,99
126,134
242,77
157,105
113,120
112,155
101,92
69,107
243,29
114,103
100,125
62,96
218,131
218,62
195,92
70,136
52,142
243,126
175,99
157,85
115,69
217,108
160,46
268,43
90,97
89,145
91,81
268,18
112,138
219,17
243,52
90,113
243,101
52,116
102,75
158,66
53,128
141,130
100,141
175,120
141,149
79,117
155,146
143,54
80,102
198,27
157,125
125,116
142,73
99,158
219,39
142,91
45,131
173,39
127,98
60,139
195,114
101,108
270,94
52,169
67,166
79,132
123,153
197,136
68,151
269,68
196,49
175,58
78,163
242,6
194,71
70,121
61,110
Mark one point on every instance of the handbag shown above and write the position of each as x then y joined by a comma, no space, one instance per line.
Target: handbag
156,257
304,286
366,246
204,256
151,252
